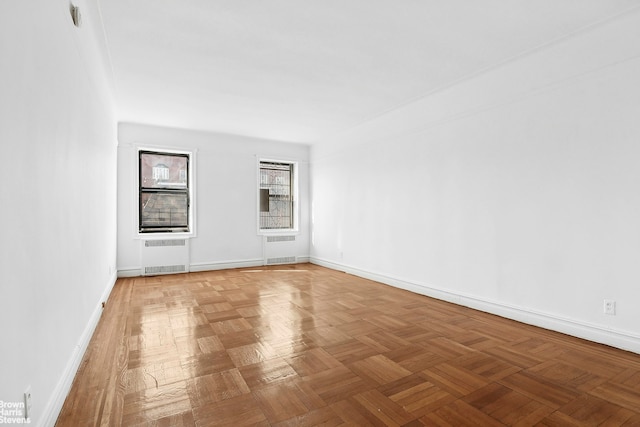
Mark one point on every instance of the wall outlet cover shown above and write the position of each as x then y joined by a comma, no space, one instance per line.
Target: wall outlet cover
609,307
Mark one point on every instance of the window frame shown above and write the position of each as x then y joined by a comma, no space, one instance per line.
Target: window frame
295,211
165,232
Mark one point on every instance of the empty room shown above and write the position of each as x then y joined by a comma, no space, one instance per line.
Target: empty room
282,213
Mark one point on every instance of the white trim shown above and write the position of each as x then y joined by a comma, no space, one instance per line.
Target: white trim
616,338
225,265
192,192
60,392
164,236
130,272
295,194
212,266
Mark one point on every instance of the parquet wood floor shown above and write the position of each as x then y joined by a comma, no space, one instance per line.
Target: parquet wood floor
303,345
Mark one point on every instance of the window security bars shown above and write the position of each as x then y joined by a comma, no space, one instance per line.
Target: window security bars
276,196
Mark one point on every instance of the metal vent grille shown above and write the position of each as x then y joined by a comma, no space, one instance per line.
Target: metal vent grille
166,242
165,269
281,260
271,239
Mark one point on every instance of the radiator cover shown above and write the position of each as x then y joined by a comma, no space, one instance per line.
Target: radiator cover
164,256
279,250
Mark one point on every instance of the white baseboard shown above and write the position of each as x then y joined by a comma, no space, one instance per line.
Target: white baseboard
596,333
224,265
130,272
54,405
210,266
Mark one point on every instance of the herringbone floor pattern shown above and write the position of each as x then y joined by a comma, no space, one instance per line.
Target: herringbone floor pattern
303,345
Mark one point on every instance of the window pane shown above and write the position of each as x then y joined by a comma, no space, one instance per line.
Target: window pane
278,216
163,170
163,210
276,180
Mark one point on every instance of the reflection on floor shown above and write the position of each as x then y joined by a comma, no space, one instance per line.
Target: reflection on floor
304,345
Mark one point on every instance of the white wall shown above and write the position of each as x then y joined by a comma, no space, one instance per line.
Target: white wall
58,196
226,198
515,191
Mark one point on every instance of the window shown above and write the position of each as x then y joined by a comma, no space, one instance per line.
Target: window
164,192
277,196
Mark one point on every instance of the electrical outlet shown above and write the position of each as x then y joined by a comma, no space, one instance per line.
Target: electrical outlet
27,403
610,307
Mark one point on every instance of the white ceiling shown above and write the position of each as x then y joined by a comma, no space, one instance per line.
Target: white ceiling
299,70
